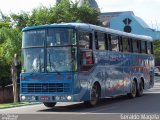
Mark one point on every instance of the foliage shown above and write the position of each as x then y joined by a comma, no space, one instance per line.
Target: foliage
156,44
65,11
19,20
11,26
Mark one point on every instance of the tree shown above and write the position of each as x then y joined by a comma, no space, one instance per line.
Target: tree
11,26
10,43
67,11
156,44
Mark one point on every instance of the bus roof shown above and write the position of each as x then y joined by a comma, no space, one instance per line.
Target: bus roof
88,27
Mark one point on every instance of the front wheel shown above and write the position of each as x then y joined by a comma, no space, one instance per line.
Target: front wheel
133,90
95,94
49,104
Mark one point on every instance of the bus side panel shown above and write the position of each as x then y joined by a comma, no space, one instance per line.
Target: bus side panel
84,91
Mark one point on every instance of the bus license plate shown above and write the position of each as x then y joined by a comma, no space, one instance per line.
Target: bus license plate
44,98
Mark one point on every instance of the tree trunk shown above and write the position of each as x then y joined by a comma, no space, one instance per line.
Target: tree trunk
14,81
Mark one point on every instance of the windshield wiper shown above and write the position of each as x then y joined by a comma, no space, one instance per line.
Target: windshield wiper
53,65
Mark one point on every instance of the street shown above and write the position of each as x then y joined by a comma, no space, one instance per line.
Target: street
148,103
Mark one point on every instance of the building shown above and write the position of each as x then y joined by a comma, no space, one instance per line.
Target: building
128,22
124,21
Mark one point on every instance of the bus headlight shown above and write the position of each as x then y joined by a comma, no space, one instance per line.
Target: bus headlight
57,98
23,97
69,97
33,98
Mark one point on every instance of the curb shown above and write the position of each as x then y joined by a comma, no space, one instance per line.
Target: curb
20,105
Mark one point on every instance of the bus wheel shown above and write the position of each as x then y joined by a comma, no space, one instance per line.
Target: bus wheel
95,94
140,89
49,104
133,91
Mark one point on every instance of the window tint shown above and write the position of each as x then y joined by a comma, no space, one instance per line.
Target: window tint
143,47
84,40
60,37
152,52
120,44
135,46
107,41
149,48
33,38
114,43
125,44
101,41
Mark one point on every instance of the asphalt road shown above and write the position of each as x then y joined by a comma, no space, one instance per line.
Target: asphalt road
110,107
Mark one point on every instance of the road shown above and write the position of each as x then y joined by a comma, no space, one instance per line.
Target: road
148,103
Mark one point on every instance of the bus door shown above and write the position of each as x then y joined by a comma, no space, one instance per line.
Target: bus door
86,53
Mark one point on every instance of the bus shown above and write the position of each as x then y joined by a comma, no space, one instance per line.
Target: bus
79,62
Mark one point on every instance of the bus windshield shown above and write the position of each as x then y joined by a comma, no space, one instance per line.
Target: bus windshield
49,50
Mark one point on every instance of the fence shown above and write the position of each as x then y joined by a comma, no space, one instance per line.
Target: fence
6,94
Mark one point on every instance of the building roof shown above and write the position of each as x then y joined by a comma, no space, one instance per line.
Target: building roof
92,3
141,22
117,13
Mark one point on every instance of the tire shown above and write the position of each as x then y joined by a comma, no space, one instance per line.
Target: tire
133,91
140,89
95,94
50,104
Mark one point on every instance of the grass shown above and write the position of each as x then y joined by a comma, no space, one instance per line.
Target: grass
10,105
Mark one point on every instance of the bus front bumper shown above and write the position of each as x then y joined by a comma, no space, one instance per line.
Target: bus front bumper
49,98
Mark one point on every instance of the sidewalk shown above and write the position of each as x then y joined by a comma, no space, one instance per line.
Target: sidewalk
11,105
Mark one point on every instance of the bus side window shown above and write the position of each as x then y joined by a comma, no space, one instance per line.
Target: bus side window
84,40
114,43
106,42
130,45
152,51
109,42
149,48
143,47
120,44
125,44
135,46
139,46
101,41
86,56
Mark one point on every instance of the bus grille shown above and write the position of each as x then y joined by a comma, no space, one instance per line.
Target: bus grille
45,87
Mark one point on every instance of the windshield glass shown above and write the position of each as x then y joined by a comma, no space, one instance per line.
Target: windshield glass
33,38
33,60
49,50
61,37
61,59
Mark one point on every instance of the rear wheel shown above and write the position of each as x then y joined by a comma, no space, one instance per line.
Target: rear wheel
95,94
140,89
49,104
133,91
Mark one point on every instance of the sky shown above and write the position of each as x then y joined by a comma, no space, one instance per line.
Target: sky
148,10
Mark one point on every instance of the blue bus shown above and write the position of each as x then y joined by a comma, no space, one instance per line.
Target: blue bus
78,62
